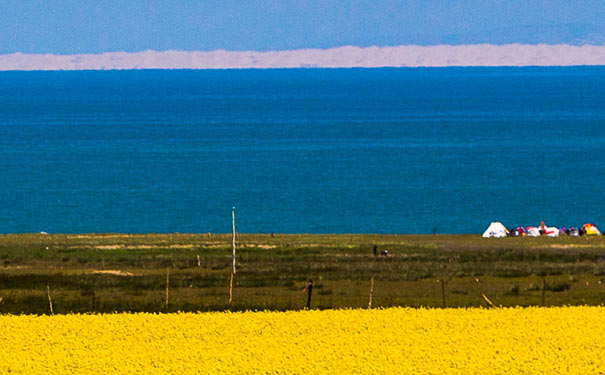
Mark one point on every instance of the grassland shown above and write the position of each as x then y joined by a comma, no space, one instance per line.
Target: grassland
119,272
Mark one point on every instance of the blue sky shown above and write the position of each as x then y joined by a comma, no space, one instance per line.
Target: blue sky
83,26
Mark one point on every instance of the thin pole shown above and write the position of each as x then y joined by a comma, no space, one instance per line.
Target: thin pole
50,301
230,289
443,291
233,237
371,292
487,300
309,291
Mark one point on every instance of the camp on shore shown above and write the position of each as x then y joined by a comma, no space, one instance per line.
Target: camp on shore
497,229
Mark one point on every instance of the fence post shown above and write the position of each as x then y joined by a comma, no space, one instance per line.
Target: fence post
371,292
490,303
309,292
443,291
544,291
93,301
50,301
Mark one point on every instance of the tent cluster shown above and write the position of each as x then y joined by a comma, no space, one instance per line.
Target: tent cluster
496,229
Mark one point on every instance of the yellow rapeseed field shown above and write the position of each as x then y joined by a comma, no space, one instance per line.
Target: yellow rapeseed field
389,341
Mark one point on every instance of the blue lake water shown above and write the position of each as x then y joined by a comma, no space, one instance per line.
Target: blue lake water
301,151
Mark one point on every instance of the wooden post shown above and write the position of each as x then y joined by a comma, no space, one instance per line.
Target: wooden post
167,286
199,262
544,291
230,289
309,292
233,270
233,236
50,301
371,292
443,291
490,303
93,301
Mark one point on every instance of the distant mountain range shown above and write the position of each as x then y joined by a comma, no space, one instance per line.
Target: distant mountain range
341,57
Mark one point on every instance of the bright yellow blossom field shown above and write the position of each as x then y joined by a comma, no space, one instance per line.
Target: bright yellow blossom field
393,341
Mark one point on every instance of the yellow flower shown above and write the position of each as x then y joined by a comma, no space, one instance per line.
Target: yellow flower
384,341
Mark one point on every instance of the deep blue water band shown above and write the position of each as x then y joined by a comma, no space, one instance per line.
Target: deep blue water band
312,151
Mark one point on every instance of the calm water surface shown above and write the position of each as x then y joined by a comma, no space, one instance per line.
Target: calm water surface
313,151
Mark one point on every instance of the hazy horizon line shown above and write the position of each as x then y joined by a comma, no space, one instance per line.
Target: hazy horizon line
442,55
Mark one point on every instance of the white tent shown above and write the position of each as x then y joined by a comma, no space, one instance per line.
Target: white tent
551,232
495,229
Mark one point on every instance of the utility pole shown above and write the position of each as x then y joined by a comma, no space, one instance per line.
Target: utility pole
233,256
233,236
